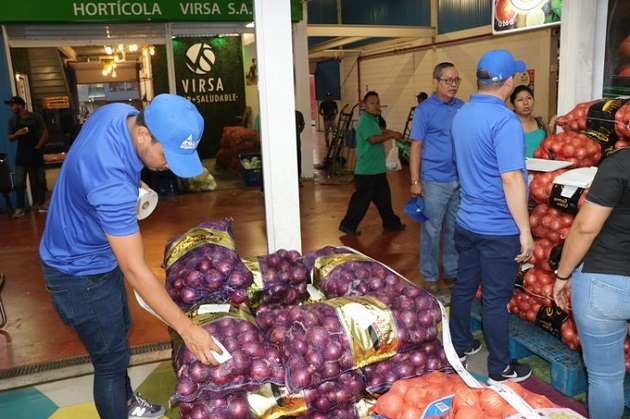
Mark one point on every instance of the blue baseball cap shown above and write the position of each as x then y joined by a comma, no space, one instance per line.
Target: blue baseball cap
415,208
500,65
177,125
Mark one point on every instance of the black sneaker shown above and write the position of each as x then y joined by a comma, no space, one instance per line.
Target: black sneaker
514,372
349,231
140,408
474,348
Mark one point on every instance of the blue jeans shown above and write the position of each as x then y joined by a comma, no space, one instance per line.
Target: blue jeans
489,261
601,307
96,307
441,202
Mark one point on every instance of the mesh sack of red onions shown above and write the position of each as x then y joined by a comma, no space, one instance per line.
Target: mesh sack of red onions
254,361
416,312
310,258
346,389
330,399
202,266
352,274
430,356
279,278
232,406
320,341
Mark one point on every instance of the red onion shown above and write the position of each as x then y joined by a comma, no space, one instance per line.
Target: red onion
186,387
300,378
198,372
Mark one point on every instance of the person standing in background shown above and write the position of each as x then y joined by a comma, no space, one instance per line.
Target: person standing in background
29,130
328,110
595,267
522,99
421,97
492,233
370,173
91,245
299,127
434,175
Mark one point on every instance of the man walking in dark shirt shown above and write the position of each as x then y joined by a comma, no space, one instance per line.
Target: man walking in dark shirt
328,110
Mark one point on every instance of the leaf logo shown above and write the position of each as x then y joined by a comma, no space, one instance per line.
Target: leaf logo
200,58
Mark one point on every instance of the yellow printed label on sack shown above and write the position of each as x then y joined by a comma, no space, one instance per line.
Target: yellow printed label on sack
370,328
274,402
254,291
325,264
195,238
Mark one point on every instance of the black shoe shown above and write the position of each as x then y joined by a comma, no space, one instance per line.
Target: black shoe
474,348
399,227
514,372
349,231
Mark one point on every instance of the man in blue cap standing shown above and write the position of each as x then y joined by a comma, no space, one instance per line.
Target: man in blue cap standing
91,243
492,229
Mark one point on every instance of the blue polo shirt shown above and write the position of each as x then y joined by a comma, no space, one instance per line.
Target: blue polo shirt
489,140
431,124
95,194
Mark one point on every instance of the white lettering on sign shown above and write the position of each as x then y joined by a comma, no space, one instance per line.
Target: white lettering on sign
116,9
233,10
203,85
200,8
228,97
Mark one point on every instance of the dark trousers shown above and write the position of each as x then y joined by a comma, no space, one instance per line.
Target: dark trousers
489,261
299,155
370,188
37,179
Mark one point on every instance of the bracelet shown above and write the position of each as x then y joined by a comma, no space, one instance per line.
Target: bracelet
561,278
415,183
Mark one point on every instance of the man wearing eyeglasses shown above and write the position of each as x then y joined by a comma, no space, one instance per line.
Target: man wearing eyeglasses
434,176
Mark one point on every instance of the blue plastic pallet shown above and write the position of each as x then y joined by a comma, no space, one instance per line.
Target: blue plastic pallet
568,374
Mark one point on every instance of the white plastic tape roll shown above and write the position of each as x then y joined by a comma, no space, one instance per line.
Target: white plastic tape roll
147,201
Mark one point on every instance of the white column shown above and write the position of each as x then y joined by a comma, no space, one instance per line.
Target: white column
303,91
277,123
582,48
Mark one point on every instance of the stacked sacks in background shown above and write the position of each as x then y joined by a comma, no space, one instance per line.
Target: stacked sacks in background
236,140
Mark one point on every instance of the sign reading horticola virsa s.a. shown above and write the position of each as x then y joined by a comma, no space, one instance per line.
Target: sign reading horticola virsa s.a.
123,11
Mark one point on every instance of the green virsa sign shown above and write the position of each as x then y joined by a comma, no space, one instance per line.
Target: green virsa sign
63,11
209,73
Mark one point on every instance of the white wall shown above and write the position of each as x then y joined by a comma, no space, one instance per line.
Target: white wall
398,77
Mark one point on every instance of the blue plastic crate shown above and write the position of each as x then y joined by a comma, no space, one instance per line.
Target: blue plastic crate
251,177
568,374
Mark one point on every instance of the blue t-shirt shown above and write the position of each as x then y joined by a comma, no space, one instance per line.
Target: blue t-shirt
95,194
431,124
489,140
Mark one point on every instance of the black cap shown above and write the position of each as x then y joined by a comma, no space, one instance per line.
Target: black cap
15,99
422,95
